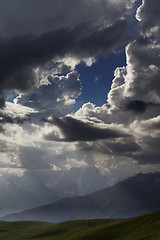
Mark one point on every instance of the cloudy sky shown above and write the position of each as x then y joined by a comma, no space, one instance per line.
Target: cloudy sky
79,86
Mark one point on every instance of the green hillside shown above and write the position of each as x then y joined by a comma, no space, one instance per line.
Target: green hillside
146,227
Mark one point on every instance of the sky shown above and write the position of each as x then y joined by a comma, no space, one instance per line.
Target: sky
79,86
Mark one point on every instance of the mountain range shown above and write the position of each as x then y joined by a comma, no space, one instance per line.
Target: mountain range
36,188
131,197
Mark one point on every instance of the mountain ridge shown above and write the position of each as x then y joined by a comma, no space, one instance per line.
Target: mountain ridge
133,196
35,189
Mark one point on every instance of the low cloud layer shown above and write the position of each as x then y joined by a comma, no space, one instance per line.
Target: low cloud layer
76,130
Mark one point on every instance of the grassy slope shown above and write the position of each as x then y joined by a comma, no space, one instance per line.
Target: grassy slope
145,227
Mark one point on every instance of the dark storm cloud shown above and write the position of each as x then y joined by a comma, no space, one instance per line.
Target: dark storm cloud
4,118
118,147
2,102
136,106
1,129
76,130
20,55
102,41
139,106
149,13
21,17
150,153
124,147
32,33
147,158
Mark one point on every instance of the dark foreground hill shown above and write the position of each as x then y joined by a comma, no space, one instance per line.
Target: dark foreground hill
146,227
132,197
